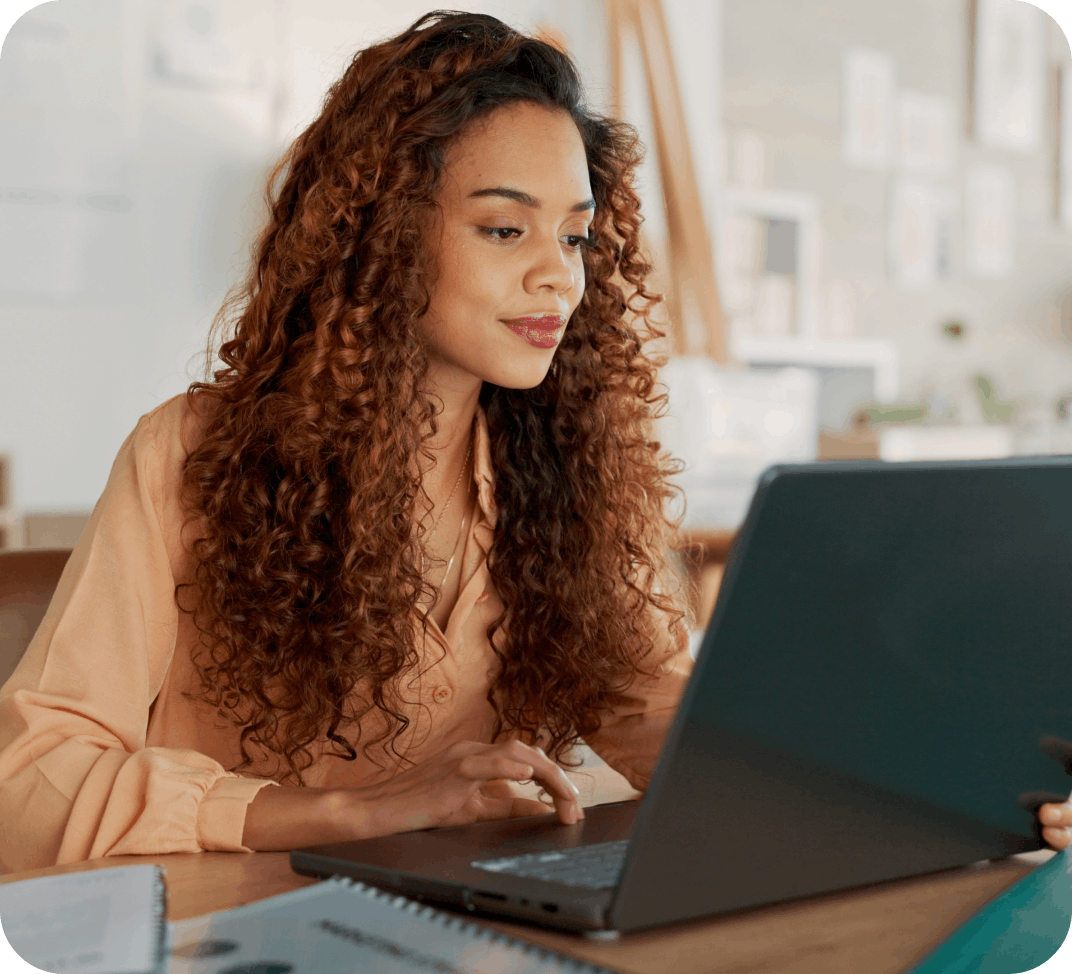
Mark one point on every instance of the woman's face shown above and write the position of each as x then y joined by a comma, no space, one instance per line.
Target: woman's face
515,204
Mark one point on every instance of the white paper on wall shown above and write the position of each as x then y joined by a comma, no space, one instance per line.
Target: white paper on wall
913,236
740,259
69,91
1010,74
1065,148
839,311
946,202
775,301
989,220
869,81
210,44
926,130
749,161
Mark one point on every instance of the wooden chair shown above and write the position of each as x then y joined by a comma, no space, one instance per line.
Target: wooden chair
27,581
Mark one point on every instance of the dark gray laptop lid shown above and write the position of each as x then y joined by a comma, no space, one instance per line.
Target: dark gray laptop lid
882,684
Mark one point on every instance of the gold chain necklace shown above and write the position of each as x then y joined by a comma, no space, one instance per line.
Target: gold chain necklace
453,491
457,541
443,513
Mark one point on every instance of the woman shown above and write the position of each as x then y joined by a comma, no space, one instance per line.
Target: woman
407,546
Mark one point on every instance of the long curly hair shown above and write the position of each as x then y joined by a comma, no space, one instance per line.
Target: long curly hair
307,575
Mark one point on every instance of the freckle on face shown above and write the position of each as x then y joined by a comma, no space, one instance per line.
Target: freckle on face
484,280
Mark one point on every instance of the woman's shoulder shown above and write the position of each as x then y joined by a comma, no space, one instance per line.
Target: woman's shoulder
159,445
173,429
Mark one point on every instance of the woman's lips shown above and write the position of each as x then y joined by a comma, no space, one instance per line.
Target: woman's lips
543,331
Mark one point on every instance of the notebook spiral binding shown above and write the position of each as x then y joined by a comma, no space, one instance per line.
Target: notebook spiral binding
450,922
163,928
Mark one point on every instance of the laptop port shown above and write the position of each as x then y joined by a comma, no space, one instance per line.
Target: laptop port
550,907
490,896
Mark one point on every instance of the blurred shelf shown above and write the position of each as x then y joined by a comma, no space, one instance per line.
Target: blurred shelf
849,445
881,356
901,443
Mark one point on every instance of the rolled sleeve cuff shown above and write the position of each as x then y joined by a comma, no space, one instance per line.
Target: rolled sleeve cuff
221,816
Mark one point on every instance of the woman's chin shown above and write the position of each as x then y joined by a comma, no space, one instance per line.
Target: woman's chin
520,378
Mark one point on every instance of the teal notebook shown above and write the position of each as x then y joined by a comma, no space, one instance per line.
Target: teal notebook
1020,930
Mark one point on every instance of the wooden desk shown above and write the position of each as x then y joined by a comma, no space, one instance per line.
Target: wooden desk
884,928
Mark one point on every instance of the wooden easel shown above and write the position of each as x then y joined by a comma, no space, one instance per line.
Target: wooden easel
691,272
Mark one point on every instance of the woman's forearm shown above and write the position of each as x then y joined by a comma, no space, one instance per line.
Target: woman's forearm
446,789
288,817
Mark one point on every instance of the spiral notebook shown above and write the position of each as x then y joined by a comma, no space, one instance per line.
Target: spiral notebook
344,926
105,921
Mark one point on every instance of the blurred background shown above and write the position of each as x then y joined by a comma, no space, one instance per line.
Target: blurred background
861,213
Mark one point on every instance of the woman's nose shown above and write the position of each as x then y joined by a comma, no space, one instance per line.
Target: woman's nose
551,268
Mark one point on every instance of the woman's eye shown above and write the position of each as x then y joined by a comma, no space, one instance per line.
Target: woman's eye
500,233
576,242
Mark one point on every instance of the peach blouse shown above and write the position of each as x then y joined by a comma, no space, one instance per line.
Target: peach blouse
103,754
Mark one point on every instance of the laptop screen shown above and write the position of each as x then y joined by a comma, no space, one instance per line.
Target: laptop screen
904,626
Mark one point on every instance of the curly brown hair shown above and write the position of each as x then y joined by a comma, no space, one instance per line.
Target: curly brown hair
308,571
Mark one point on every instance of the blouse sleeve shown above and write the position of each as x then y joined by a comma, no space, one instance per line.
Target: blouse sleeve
632,735
76,779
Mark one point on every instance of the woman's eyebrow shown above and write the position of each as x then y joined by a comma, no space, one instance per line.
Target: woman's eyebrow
526,199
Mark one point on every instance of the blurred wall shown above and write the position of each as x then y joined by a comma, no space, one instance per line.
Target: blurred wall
783,81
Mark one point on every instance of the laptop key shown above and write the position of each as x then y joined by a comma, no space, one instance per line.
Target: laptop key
596,866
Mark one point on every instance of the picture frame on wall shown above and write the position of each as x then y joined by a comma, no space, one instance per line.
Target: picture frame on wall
1009,74
926,131
989,221
922,216
913,234
869,100
1064,146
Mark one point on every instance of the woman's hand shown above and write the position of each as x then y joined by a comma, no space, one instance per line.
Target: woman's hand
467,782
1056,821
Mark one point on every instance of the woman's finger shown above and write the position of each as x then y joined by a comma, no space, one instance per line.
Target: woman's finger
1055,813
485,767
553,780
498,788
556,780
544,772
1058,838
519,762
523,807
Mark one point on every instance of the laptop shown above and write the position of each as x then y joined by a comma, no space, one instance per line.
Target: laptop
884,690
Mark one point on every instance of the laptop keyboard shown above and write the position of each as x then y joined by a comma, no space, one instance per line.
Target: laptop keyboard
596,866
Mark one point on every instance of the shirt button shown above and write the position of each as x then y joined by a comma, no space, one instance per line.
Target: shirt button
440,694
